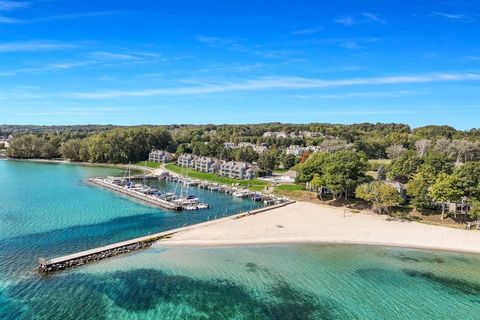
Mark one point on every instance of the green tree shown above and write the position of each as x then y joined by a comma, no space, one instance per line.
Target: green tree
474,211
407,164
469,175
27,146
312,165
266,161
437,162
316,184
343,171
289,161
382,196
381,173
72,149
446,189
418,188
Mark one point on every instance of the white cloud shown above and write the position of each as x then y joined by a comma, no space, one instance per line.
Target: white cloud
32,46
276,83
364,17
12,5
306,31
76,15
103,55
345,20
373,17
456,16
9,20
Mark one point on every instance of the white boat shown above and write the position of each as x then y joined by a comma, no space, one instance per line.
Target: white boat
191,208
203,206
240,194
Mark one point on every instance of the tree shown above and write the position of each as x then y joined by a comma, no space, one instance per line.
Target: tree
382,196
437,162
313,165
464,150
316,184
381,173
446,189
72,149
304,157
343,171
474,212
288,161
418,188
422,147
26,147
407,164
469,176
266,161
395,151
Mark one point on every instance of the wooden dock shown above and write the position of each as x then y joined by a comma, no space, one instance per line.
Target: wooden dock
97,254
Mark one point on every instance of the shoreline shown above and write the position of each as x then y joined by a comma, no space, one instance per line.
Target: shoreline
282,242
306,223
85,164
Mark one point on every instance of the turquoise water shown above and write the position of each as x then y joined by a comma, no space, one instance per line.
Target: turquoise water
48,210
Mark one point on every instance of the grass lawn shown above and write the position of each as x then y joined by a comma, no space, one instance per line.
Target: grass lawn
289,187
294,191
381,161
258,184
148,164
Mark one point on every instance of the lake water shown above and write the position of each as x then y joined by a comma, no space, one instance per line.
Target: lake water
49,210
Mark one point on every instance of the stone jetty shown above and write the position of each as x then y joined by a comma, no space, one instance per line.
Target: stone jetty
97,254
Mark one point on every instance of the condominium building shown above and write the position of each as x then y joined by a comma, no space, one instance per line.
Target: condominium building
238,170
186,160
160,156
295,150
206,164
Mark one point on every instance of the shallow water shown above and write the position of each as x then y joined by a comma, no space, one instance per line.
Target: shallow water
254,282
49,210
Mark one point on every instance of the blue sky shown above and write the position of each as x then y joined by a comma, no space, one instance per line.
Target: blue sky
197,61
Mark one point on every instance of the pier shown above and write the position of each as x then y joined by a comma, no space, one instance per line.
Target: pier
97,254
152,200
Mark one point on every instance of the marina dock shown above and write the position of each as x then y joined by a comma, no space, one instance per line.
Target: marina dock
100,253
152,200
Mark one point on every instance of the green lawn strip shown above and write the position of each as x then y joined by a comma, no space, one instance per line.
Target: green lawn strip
290,187
149,164
213,177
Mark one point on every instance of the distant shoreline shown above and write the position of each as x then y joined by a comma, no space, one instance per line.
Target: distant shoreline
85,164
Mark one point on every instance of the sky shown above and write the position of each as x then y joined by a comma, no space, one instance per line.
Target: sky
240,61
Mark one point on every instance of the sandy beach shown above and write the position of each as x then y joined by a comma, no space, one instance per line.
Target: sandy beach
307,222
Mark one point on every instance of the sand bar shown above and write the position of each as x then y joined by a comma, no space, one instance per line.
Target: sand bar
307,222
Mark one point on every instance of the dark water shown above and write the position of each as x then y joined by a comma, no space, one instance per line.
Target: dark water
47,210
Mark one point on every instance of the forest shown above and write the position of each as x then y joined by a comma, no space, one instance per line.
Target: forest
436,165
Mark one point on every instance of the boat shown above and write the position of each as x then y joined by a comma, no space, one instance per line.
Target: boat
257,197
203,206
191,207
240,194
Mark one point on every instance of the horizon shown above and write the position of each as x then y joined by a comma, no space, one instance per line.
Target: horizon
240,62
237,124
